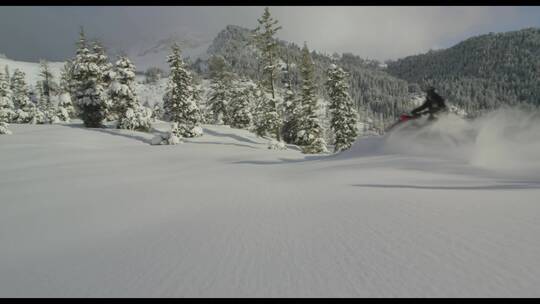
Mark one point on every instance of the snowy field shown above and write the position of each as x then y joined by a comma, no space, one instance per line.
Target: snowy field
102,213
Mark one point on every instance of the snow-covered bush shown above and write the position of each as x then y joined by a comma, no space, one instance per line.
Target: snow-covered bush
276,145
172,137
4,128
318,145
139,119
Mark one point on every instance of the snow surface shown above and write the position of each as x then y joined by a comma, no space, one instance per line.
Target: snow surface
102,213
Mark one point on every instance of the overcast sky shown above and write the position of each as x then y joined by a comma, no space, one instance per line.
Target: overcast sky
31,33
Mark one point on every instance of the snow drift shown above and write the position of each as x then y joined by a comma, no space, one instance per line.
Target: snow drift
504,140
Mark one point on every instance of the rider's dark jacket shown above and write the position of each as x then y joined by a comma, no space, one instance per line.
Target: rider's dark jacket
434,103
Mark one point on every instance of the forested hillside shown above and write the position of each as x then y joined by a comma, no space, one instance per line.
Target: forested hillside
481,72
382,94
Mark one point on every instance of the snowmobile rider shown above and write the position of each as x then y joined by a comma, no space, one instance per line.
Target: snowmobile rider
434,104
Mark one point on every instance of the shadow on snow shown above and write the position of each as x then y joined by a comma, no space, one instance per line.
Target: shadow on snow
502,186
111,131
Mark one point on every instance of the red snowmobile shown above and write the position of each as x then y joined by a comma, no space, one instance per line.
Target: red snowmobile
402,119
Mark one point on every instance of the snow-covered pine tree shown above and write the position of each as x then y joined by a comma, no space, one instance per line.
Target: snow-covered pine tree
47,81
344,116
239,114
265,117
157,111
179,101
24,107
7,74
46,87
65,109
310,131
197,96
108,75
7,112
292,108
90,95
131,114
6,100
264,38
72,85
153,75
221,92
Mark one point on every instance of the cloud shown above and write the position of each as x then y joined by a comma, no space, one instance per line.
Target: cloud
385,32
373,32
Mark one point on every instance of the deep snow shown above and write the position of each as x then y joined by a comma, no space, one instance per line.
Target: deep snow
91,213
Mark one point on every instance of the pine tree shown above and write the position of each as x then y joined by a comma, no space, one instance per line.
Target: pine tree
65,110
131,114
157,111
46,87
220,94
7,74
72,85
267,44
90,95
197,96
6,100
6,105
310,134
46,80
24,107
179,102
344,116
108,75
153,75
291,107
239,106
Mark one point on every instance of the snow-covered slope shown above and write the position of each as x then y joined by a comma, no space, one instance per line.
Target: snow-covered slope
31,69
88,212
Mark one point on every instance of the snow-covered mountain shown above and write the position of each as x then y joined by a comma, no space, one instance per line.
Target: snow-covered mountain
154,53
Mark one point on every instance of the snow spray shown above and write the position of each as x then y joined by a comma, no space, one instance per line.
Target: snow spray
506,139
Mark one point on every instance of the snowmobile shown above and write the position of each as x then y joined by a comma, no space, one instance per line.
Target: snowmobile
414,127
403,118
